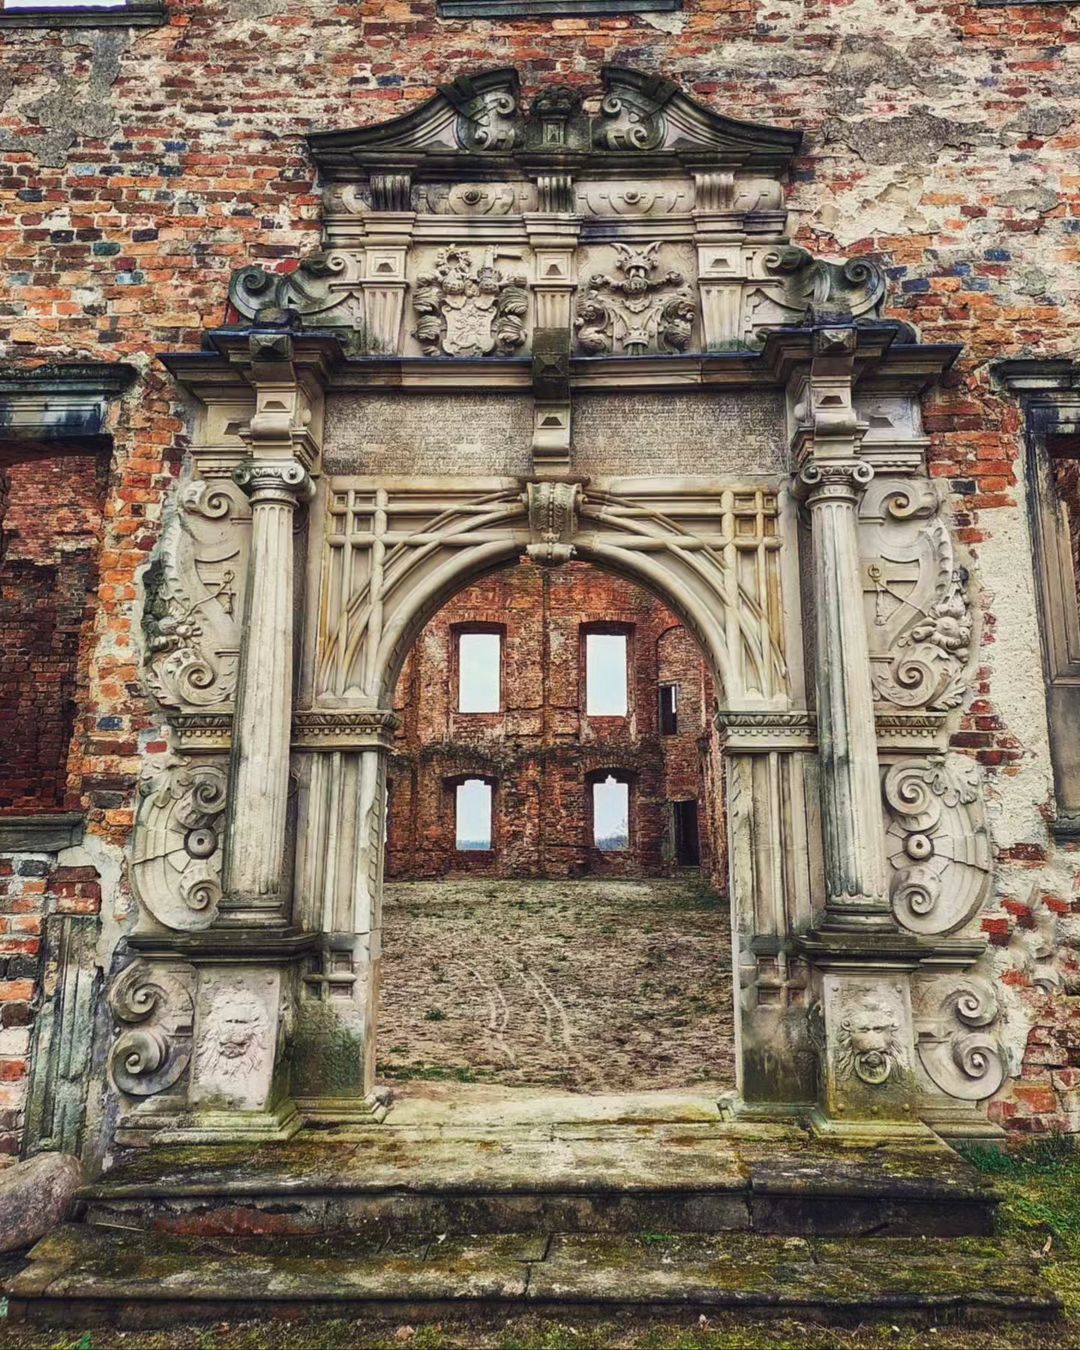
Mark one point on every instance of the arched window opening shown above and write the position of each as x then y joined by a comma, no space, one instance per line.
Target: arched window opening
611,814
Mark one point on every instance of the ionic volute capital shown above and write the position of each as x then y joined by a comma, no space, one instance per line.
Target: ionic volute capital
285,481
832,480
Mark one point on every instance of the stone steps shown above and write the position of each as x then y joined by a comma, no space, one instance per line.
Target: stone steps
83,1275
599,1179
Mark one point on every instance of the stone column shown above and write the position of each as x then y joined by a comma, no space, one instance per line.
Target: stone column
830,480
255,846
853,838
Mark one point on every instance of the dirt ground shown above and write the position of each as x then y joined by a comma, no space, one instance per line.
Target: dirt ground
592,986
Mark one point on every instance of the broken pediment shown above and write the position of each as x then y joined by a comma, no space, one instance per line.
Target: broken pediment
484,116
635,221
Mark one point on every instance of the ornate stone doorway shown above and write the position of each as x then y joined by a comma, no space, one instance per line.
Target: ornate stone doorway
570,336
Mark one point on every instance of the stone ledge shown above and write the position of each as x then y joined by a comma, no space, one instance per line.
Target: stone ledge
551,9
135,14
41,833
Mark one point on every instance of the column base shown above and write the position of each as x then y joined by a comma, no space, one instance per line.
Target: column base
963,1123
735,1111
210,1127
370,1110
870,1133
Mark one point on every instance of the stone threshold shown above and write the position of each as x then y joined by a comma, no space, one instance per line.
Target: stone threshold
82,1275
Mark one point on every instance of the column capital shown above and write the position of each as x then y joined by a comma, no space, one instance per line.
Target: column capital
275,480
832,480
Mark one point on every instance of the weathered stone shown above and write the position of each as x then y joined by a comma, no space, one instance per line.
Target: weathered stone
36,1195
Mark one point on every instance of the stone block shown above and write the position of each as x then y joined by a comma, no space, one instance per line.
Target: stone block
36,1195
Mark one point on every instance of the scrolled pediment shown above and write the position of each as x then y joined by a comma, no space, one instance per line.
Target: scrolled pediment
484,117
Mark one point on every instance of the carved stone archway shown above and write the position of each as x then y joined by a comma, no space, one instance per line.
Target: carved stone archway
560,334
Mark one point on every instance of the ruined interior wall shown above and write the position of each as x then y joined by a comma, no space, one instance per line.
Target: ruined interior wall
140,166
541,749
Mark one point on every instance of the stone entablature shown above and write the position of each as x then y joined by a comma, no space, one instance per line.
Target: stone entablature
652,225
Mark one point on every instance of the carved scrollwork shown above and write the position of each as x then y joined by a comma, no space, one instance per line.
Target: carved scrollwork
553,509
153,1049
955,1041
632,112
193,598
321,283
176,854
919,623
636,313
936,842
469,310
855,287
489,117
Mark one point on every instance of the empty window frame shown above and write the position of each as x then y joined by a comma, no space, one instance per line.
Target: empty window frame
479,669
472,816
82,13
606,684
611,814
669,709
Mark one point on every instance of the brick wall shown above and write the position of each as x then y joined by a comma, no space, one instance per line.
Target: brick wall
542,751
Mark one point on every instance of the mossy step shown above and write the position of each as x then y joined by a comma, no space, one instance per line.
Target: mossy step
683,1178
83,1274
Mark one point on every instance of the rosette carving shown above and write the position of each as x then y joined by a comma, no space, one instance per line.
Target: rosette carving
955,1040
176,854
936,843
919,624
153,1049
194,598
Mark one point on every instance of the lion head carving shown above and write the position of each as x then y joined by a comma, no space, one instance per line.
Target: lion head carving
868,1042
234,1035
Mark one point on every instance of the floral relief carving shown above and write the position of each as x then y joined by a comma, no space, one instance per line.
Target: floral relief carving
176,853
919,622
469,310
154,1006
194,598
936,842
635,312
955,1041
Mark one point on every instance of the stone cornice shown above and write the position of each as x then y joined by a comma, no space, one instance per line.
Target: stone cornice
885,361
1037,374
61,401
41,833
344,729
135,14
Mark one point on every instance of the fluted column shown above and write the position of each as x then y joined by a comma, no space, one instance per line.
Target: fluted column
255,844
854,846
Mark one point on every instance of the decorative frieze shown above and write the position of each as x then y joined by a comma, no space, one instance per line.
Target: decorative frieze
343,729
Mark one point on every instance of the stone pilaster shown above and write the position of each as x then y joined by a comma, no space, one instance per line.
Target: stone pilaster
255,845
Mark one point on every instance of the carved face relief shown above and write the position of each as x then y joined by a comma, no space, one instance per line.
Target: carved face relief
868,1043
234,1036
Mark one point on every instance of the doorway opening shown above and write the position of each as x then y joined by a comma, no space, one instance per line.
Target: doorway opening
555,916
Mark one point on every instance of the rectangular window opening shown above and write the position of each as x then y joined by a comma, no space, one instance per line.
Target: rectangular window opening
669,709
472,816
611,815
605,675
479,672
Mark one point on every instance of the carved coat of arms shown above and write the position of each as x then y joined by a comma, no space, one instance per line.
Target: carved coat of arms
467,310
636,313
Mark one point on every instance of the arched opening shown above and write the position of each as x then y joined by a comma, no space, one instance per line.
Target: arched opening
555,915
